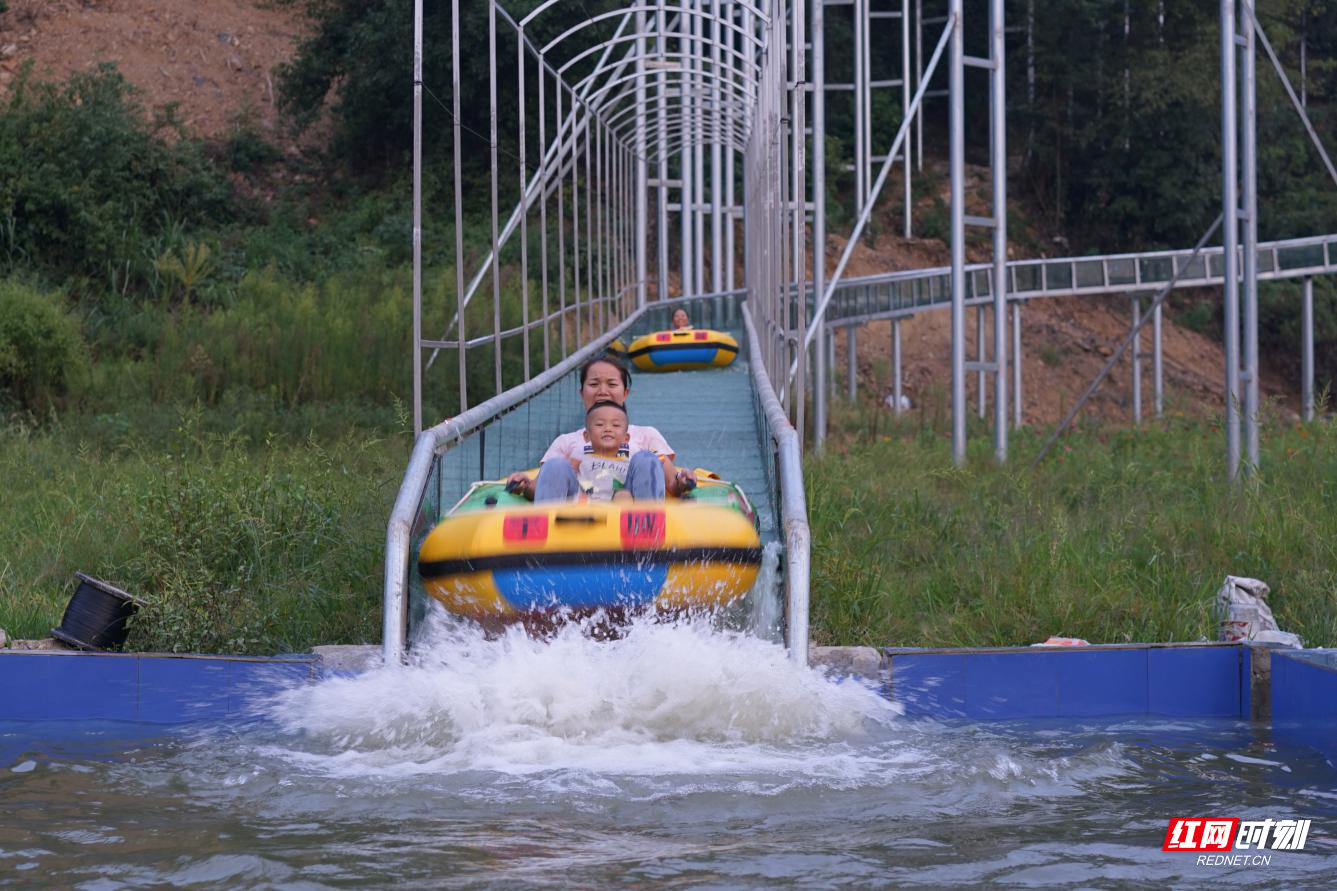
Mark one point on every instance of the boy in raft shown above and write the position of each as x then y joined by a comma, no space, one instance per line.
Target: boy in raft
602,469
606,469
650,472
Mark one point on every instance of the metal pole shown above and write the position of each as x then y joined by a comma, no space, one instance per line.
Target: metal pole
1249,161
819,214
866,97
561,223
417,217
956,163
1304,57
716,173
1157,361
591,269
661,46
795,198
896,365
459,199
1137,359
1017,417
860,124
685,190
576,296
998,158
981,390
1307,351
905,108
919,80
642,167
492,159
1230,237
698,152
543,217
603,244
524,208
800,383
851,364
830,365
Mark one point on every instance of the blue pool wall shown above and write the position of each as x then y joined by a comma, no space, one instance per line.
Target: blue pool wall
46,685
1304,698
1207,680
1297,690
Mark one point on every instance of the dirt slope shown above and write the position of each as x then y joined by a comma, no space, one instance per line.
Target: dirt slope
214,58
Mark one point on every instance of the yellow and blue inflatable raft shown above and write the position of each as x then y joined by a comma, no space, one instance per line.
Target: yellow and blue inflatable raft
497,558
686,349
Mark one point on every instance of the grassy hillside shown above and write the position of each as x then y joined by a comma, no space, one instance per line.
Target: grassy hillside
1119,536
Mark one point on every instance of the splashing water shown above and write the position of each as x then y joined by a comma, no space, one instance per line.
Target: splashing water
665,698
765,602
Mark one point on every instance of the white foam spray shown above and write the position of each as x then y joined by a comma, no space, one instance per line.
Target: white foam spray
666,698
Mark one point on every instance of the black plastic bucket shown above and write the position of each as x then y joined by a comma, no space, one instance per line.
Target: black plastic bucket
97,615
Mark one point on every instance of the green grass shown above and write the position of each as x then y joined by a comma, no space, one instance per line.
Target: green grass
1118,537
240,544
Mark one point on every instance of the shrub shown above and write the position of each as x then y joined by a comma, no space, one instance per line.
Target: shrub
246,553
87,180
246,150
41,348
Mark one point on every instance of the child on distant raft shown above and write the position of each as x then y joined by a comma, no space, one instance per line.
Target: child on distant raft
602,468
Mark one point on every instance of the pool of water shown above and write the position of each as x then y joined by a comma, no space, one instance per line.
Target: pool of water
676,756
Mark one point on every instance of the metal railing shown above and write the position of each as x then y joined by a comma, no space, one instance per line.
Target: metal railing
781,444
900,294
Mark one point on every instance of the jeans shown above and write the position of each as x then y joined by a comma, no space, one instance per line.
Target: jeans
557,480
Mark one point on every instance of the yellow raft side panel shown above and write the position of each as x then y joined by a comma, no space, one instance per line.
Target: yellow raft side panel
709,585
687,349
568,550
470,594
572,527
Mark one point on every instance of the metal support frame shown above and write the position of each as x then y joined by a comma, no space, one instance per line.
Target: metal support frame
861,89
896,383
852,364
819,390
1307,350
957,201
1157,361
1232,217
1018,418
997,364
1136,358
1249,237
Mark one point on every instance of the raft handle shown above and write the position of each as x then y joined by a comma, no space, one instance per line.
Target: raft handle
580,518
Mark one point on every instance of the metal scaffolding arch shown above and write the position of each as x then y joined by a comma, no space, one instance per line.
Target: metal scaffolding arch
695,131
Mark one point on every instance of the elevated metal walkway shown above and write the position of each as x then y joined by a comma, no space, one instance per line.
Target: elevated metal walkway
900,294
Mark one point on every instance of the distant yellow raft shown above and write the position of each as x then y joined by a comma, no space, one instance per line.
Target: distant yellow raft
683,350
498,562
